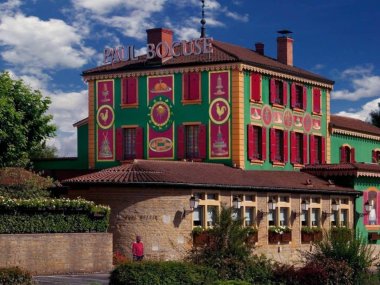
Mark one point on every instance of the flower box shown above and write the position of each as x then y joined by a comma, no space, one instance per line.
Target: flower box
201,239
373,236
252,238
286,237
307,237
317,236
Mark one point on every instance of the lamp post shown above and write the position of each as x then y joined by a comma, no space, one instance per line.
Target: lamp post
194,202
236,202
334,205
305,205
272,204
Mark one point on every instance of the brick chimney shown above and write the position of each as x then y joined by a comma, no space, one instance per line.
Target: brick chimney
259,48
159,42
285,50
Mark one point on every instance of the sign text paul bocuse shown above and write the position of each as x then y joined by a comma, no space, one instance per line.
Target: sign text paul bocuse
161,50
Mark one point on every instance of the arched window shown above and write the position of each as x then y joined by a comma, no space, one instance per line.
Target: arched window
376,156
372,197
347,154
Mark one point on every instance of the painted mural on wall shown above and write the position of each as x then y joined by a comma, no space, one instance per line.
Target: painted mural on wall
219,112
105,117
160,117
291,120
372,217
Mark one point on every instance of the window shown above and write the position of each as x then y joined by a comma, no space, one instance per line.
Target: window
280,216
279,146
316,101
340,217
129,91
191,86
255,87
278,92
317,150
372,197
298,96
312,216
256,143
129,143
299,148
191,142
205,214
376,156
247,209
347,154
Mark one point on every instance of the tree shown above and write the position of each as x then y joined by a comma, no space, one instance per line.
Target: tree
24,126
375,117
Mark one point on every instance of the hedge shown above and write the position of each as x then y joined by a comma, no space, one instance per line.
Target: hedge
52,216
15,276
162,273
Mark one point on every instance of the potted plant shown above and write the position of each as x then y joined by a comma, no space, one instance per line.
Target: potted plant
279,234
317,231
200,236
307,234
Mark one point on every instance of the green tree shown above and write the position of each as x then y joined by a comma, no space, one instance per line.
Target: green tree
375,117
24,126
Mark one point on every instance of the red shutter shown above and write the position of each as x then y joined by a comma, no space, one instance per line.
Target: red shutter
185,82
377,208
312,149
202,141
132,91
316,100
272,90
124,90
374,156
365,200
263,144
119,144
285,93
352,152
194,88
286,152
293,95
139,143
304,97
255,87
323,150
304,158
293,145
181,142
250,141
272,144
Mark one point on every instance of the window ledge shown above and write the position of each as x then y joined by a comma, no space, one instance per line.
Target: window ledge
278,106
257,102
298,165
278,163
317,114
129,106
257,161
189,102
300,110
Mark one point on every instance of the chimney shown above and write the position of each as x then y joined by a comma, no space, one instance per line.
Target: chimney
159,42
285,48
259,48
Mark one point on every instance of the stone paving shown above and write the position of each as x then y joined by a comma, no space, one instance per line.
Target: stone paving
77,279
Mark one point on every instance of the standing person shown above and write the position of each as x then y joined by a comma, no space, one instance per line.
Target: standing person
138,249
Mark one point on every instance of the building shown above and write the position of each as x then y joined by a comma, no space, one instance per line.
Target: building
219,122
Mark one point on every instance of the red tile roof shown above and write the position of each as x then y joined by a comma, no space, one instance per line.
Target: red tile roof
222,53
353,125
344,169
208,175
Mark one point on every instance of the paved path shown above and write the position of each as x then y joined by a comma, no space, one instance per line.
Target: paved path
78,279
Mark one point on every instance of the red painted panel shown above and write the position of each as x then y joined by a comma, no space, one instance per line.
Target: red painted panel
374,157
293,95
377,208
194,88
342,154
323,150
272,90
185,82
250,141
132,91
263,143
255,87
139,143
285,93
312,149
352,158
202,141
317,100
181,142
304,149
119,144
286,152
365,200
304,95
272,144
125,90
293,152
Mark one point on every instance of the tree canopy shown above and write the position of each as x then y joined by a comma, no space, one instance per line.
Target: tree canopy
375,117
24,124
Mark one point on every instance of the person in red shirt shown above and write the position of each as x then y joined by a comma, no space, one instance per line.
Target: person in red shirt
138,249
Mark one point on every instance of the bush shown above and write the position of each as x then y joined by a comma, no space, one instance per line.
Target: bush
231,282
258,270
15,276
52,216
161,273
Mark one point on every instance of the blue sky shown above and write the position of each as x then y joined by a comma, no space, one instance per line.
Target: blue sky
48,43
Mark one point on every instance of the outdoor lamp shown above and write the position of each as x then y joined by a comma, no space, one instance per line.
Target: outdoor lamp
367,207
271,204
334,205
194,202
236,202
305,205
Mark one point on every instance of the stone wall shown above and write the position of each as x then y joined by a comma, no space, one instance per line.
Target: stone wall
57,253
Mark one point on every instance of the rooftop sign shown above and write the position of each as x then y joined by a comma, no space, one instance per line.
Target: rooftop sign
161,50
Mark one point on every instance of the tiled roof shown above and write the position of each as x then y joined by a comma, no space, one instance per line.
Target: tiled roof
208,175
353,125
344,169
222,53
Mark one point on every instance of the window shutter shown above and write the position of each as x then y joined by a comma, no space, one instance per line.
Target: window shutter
293,143
194,87
250,141
139,143
293,95
263,143
185,82
132,91
312,149
119,144
285,93
272,90
352,153
304,158
124,90
181,142
323,150
255,87
365,200
316,100
202,141
272,144
377,208
286,146
304,97
342,154
374,158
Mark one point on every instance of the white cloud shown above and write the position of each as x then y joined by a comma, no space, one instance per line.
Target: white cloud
236,16
9,7
363,112
66,144
32,42
363,84
187,33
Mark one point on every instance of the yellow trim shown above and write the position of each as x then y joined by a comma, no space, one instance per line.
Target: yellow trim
129,106
191,102
129,126
355,134
328,135
192,123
